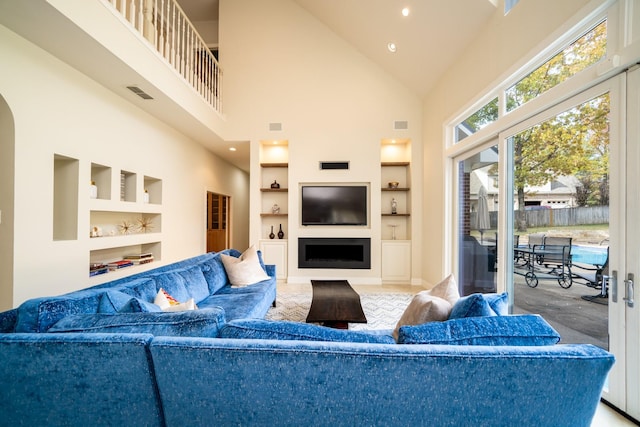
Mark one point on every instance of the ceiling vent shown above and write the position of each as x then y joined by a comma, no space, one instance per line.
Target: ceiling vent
401,125
142,94
275,127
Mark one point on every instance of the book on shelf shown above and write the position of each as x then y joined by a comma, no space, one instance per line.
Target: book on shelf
97,269
138,261
139,256
119,264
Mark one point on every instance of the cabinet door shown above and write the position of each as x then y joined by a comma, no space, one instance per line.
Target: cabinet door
275,252
396,260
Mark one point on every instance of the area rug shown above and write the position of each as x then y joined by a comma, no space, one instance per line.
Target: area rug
382,310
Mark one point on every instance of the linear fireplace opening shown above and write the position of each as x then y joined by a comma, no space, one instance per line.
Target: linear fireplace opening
347,253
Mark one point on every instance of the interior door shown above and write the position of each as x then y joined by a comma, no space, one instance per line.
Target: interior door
217,222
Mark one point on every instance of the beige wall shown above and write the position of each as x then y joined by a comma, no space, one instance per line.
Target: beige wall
282,65
505,42
58,110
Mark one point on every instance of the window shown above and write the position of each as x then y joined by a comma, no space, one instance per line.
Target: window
585,51
509,4
481,118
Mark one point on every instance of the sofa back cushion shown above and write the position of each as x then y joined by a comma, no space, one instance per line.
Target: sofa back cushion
214,272
515,330
280,330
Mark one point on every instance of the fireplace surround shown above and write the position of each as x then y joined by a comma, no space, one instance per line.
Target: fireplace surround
345,253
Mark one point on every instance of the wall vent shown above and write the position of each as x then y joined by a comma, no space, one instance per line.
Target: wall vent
142,94
275,127
401,125
334,165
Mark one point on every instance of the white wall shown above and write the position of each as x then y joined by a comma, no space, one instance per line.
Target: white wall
503,44
282,65
59,110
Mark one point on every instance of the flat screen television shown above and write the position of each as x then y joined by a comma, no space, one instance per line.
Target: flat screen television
334,205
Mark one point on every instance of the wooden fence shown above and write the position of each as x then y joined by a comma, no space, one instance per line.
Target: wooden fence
558,217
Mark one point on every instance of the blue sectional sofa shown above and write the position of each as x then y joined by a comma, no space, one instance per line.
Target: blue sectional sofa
204,367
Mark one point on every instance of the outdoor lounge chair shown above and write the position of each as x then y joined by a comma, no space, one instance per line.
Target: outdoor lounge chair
594,276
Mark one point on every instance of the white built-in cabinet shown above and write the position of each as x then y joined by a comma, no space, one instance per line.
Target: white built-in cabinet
395,175
124,211
274,204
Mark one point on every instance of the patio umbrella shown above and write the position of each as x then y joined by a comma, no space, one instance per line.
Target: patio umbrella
482,215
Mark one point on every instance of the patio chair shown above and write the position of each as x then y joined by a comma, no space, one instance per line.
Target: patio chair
594,276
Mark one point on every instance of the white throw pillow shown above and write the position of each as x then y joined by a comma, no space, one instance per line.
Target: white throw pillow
424,308
244,270
447,289
168,303
430,306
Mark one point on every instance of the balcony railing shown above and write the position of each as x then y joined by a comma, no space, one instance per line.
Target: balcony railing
163,24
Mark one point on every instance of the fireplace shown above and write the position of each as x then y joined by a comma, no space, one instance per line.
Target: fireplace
347,253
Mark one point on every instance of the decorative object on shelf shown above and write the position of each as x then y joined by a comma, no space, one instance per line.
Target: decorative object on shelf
280,233
393,231
95,232
145,197
125,227
275,184
394,184
394,206
93,190
271,235
145,225
275,209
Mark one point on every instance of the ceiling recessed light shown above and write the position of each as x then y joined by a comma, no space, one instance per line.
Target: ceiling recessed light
405,11
232,148
392,47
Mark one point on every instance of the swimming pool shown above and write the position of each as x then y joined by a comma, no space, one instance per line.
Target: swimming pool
588,254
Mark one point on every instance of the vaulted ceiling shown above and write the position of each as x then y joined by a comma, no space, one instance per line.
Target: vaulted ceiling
427,41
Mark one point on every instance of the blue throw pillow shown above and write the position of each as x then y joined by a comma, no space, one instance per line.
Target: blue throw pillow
135,305
282,330
480,305
515,330
113,301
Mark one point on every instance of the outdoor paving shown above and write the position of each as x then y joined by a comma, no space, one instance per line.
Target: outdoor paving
576,320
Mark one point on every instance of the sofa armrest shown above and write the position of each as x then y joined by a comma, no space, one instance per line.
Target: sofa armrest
270,269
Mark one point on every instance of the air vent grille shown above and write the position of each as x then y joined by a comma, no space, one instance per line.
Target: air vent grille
401,125
275,127
334,165
142,94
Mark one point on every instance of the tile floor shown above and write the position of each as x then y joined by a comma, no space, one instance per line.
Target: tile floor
605,416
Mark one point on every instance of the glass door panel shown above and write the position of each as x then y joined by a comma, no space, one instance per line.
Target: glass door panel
477,176
560,214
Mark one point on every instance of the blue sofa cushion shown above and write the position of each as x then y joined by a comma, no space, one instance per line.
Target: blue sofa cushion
515,330
199,323
282,330
479,305
214,273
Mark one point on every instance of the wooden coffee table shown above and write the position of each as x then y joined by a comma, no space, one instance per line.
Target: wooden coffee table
335,304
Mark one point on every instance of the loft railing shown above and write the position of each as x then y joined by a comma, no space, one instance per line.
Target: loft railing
163,24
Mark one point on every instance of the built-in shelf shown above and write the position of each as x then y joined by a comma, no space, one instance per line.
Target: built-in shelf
274,165
395,189
390,164
65,197
274,190
264,215
398,214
